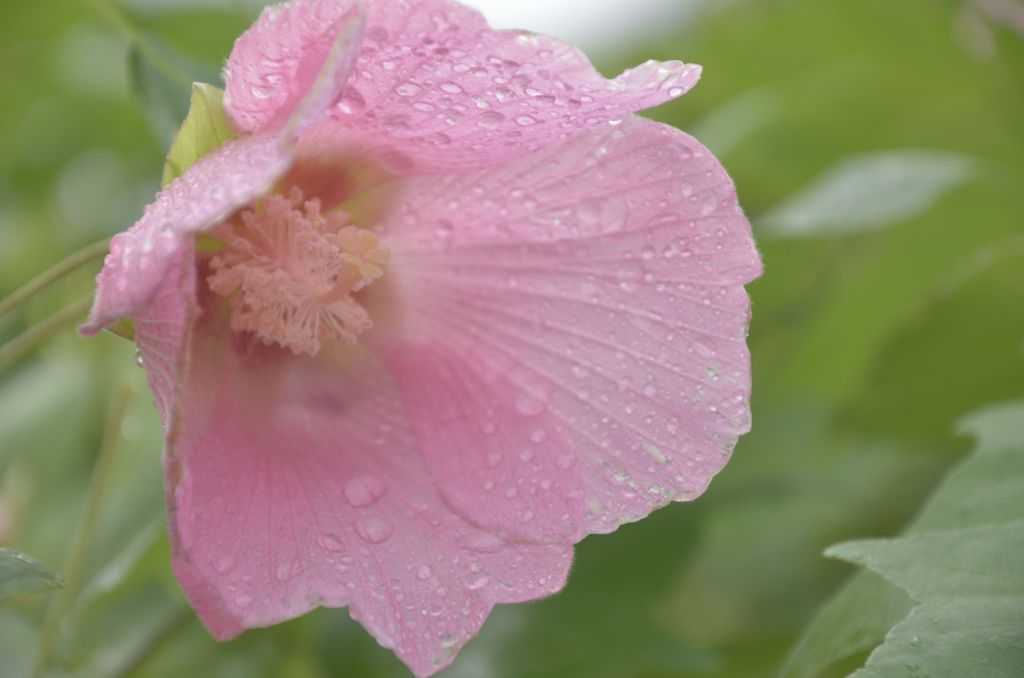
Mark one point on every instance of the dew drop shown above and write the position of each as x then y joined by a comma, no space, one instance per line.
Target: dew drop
287,570
260,92
477,583
444,229
530,404
373,530
538,435
364,490
491,119
424,573
330,542
408,89
485,542
526,120
352,102
224,564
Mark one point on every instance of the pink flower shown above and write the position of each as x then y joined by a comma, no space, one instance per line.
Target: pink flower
454,309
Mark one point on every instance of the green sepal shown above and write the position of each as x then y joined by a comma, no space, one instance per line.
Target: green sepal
205,129
124,328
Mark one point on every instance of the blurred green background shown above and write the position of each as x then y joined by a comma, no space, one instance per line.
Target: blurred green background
878,147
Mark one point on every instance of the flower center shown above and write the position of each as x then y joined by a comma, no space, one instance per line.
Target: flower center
290,273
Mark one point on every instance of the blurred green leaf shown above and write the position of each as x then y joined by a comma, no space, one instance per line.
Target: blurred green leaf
21,574
162,80
17,644
204,130
967,335
869,191
960,561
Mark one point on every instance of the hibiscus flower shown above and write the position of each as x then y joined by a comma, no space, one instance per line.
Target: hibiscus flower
442,307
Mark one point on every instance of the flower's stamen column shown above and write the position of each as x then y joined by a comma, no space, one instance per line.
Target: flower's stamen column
290,272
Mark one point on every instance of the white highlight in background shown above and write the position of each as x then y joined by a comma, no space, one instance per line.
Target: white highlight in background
596,26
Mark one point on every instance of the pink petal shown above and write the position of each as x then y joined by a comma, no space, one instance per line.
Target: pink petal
213,188
161,333
297,55
207,193
574,351
435,83
294,483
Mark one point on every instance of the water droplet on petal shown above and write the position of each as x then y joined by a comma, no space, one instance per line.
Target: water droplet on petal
408,89
260,92
530,404
287,570
424,573
331,542
373,530
491,119
224,564
364,490
484,542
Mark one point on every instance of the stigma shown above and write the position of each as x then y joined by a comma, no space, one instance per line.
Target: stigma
290,273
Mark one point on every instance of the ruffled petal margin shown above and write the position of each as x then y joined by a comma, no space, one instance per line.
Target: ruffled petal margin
573,350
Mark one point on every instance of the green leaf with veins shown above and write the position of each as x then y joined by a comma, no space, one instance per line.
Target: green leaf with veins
961,562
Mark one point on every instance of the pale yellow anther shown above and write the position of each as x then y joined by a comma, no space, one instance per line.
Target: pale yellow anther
362,250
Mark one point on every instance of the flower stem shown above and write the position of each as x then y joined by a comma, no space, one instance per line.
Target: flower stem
58,271
62,599
37,334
